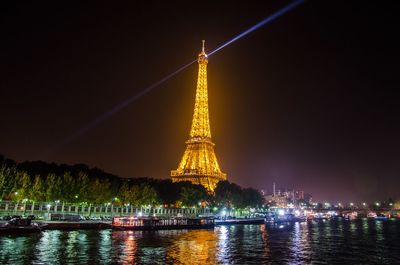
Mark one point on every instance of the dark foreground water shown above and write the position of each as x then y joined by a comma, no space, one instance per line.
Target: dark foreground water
330,242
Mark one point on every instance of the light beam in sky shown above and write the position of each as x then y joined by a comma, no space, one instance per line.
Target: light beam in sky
266,20
135,97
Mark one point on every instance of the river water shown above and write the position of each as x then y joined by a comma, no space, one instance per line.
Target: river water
330,242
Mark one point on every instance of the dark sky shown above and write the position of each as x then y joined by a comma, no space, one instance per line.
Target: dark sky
308,101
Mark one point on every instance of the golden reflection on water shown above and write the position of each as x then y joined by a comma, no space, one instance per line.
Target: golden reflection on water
193,247
130,249
264,237
214,246
361,242
125,245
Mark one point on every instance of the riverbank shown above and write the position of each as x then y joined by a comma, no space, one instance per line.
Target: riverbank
78,225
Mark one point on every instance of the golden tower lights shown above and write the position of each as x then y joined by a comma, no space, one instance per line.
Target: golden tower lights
199,163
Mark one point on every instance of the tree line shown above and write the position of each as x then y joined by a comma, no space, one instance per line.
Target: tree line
39,181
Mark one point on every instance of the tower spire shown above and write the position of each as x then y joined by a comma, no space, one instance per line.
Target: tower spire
199,163
201,122
202,50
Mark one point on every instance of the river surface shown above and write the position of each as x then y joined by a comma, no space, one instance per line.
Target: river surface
330,242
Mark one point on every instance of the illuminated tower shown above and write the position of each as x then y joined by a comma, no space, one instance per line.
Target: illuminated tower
199,164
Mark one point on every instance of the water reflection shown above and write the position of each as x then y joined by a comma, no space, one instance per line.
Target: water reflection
264,238
123,244
222,244
331,242
104,246
49,247
194,247
13,248
300,248
129,249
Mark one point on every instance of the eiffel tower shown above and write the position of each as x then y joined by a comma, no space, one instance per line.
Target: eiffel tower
199,163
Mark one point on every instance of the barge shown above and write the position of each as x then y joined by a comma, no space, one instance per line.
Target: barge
154,223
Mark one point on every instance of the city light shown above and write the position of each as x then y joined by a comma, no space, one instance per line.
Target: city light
286,122
199,162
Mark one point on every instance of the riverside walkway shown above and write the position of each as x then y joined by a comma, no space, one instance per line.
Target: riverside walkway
44,209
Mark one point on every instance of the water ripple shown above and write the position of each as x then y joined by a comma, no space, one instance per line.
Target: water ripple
332,242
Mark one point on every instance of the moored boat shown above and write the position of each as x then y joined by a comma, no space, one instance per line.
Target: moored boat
154,223
239,221
351,215
381,217
20,226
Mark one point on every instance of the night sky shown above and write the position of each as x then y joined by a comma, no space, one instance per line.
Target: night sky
308,101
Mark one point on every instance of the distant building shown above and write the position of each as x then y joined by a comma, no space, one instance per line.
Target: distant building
307,198
283,198
277,200
299,195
